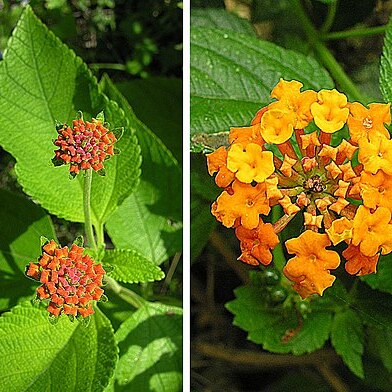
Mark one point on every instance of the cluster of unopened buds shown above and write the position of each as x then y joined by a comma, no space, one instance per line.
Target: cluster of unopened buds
70,279
342,184
83,146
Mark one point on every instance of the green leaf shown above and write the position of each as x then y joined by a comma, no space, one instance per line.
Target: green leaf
380,341
22,225
373,306
131,267
269,326
220,19
42,81
38,356
347,338
232,76
150,343
157,102
382,279
386,65
149,221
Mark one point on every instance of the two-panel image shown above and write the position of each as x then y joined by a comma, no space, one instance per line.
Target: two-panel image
195,196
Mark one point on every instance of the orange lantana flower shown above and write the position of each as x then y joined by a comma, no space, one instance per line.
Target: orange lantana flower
256,244
216,163
83,146
372,231
70,279
309,269
330,112
359,264
250,163
281,161
363,122
245,201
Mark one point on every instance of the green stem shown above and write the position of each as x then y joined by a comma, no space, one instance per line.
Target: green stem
278,252
117,67
332,7
359,32
127,295
325,56
172,270
100,235
86,204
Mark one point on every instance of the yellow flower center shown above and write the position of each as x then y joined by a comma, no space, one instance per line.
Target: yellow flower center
367,123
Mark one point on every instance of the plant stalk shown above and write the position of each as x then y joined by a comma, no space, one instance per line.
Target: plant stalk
359,32
86,205
325,56
127,295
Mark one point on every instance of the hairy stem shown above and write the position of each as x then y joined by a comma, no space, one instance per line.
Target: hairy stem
264,360
86,205
332,378
127,295
332,7
170,273
325,56
117,67
278,252
100,235
358,32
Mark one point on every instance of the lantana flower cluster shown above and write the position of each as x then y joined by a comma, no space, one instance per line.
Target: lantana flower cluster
70,280
83,146
342,189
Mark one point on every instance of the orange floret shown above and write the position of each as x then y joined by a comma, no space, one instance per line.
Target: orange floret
250,163
375,154
291,99
359,264
363,122
330,112
340,230
217,163
372,232
246,202
376,190
246,135
277,126
256,244
309,269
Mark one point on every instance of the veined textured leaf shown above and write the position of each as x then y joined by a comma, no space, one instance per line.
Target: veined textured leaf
149,220
232,76
347,338
22,224
386,66
41,81
380,340
131,267
150,343
38,356
157,103
280,332
219,18
374,307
